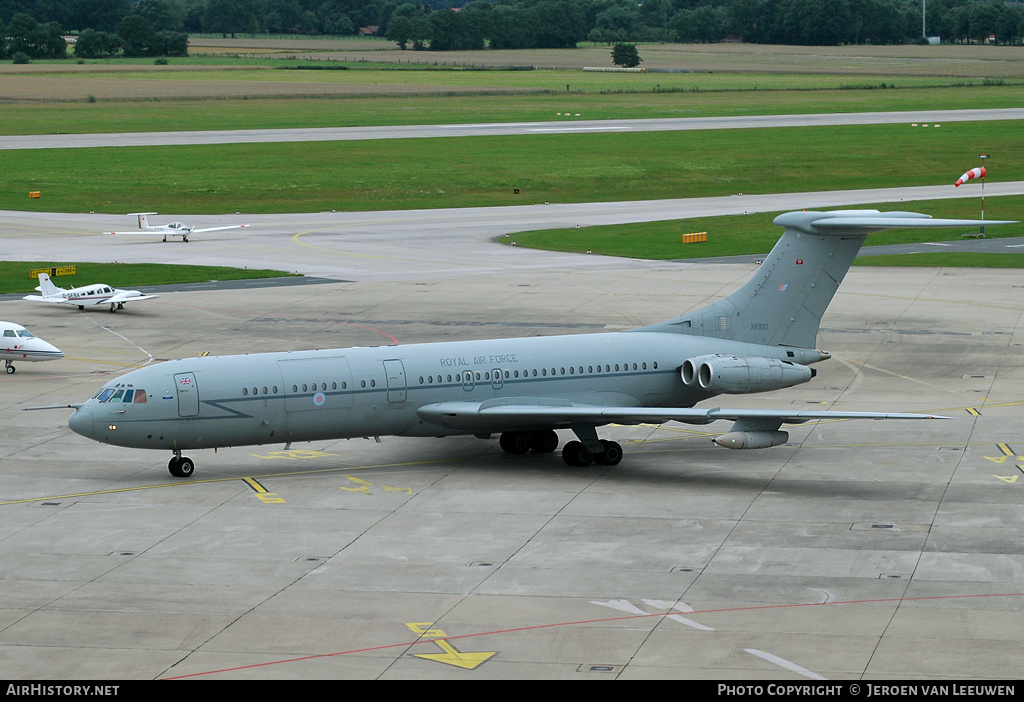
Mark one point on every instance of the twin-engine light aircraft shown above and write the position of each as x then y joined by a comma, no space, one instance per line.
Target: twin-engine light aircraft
19,344
87,295
173,229
759,338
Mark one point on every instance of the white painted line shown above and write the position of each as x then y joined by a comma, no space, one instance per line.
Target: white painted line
627,606
788,665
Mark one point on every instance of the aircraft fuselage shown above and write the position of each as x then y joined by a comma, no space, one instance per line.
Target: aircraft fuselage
355,392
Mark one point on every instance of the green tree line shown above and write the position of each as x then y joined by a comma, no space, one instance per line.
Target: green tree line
155,27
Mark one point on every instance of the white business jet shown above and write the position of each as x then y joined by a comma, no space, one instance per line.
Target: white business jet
173,229
19,344
97,294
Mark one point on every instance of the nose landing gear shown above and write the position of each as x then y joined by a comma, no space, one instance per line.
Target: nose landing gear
180,466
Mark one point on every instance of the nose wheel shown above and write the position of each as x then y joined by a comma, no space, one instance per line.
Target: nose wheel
9,367
181,466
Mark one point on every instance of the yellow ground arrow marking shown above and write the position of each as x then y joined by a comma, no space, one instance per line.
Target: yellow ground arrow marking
1011,479
1007,453
451,656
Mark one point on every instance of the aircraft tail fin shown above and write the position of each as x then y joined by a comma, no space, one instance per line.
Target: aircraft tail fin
782,305
46,286
143,221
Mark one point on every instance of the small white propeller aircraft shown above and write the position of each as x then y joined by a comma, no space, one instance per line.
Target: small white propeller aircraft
97,294
173,229
19,344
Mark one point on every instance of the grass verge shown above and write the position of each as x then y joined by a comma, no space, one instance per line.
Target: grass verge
486,171
14,275
754,234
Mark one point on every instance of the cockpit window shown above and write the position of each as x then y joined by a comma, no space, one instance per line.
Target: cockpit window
26,334
9,332
121,394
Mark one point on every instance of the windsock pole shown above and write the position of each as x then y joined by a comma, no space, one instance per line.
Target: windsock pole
983,157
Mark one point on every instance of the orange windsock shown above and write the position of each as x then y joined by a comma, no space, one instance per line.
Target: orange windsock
973,173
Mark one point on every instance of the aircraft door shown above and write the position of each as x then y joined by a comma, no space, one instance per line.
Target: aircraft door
188,394
394,371
467,381
496,380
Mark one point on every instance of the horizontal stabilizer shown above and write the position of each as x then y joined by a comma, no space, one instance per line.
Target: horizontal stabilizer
868,221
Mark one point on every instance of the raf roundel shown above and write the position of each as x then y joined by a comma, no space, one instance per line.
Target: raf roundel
319,399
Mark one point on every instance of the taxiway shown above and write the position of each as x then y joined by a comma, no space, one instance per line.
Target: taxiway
857,550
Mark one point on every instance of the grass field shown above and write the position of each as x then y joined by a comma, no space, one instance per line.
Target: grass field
484,171
80,117
14,275
198,93
268,112
755,234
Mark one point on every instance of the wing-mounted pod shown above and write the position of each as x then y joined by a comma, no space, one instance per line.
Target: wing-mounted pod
753,433
734,375
740,440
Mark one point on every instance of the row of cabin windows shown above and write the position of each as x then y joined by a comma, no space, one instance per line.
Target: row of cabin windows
458,377
304,387
534,372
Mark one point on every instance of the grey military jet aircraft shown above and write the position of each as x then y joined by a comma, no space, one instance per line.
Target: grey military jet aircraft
759,338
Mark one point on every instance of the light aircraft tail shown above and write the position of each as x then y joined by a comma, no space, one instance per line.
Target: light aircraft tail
46,286
143,221
782,305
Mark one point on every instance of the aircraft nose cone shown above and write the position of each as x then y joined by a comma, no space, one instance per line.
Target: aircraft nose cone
81,421
53,351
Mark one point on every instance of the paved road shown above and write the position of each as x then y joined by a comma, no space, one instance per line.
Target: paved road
858,550
409,244
570,126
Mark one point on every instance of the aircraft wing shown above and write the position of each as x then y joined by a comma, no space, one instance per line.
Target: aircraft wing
506,415
153,231
125,296
217,229
62,300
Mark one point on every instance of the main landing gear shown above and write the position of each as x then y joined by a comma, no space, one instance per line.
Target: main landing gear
581,453
114,306
9,367
523,441
575,453
181,466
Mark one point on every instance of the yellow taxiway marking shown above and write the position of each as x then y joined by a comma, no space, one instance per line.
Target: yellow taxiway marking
365,487
296,237
1007,453
449,654
210,481
264,495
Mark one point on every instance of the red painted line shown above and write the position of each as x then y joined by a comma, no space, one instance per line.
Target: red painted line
536,627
